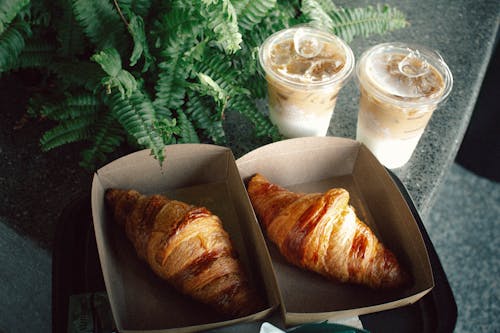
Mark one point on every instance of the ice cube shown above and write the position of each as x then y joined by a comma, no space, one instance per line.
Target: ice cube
323,69
429,84
298,66
330,51
281,53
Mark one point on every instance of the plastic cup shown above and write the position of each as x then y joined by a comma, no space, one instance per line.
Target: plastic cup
400,87
305,69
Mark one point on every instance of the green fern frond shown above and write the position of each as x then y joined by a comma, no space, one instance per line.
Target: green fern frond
320,12
12,42
137,116
221,19
37,53
168,129
37,14
9,10
349,23
81,74
72,107
170,87
200,112
246,106
141,48
178,21
173,72
69,33
108,135
71,130
220,69
253,12
101,23
139,7
187,131
208,87
111,63
282,16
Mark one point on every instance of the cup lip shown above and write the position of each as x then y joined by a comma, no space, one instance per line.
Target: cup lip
432,55
341,76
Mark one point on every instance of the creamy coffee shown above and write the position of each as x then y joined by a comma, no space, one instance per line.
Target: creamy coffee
400,87
305,69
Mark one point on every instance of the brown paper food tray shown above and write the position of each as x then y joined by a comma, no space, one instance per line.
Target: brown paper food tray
315,165
198,174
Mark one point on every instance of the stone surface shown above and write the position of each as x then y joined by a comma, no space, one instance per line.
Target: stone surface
25,288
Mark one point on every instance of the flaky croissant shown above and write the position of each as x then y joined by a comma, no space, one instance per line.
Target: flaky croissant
188,247
321,232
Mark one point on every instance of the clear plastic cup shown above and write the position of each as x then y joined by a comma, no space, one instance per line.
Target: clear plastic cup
305,69
400,87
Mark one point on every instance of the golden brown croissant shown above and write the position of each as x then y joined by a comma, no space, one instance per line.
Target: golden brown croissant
321,232
188,247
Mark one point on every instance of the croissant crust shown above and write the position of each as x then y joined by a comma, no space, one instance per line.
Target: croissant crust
321,232
188,247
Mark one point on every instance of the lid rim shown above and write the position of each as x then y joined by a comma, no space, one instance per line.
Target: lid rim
339,77
437,62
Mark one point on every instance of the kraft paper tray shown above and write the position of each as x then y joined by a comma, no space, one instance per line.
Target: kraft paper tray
76,270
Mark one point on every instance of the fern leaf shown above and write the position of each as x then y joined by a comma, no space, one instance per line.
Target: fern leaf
136,29
101,23
178,22
37,53
173,72
70,131
220,69
221,19
170,87
321,12
69,33
201,114
137,116
348,23
9,10
281,17
37,14
72,107
139,7
111,63
254,12
108,135
247,107
82,74
12,42
208,87
187,132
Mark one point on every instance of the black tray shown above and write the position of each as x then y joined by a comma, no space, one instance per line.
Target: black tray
76,270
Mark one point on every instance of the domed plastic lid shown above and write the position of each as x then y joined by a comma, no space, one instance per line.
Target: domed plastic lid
405,73
306,56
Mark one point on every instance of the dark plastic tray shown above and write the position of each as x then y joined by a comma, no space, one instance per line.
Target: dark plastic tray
76,270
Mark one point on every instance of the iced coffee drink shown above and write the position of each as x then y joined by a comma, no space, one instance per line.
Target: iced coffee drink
305,69
400,87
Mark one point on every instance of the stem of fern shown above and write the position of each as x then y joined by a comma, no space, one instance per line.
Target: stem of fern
120,12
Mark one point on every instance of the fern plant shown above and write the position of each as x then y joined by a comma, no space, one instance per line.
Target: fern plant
151,73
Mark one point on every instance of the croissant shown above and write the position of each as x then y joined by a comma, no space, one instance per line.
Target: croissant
321,233
188,247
